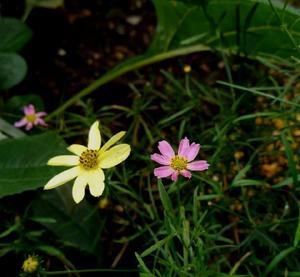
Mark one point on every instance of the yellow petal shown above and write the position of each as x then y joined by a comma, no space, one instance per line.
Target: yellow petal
114,155
114,139
78,189
94,141
67,160
63,177
77,149
96,182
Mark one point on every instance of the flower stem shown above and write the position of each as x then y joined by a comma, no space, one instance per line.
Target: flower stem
125,67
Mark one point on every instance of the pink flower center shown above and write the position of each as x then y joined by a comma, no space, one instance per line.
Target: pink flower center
179,163
89,159
31,118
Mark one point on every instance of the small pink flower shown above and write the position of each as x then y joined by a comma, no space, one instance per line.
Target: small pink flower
182,163
31,118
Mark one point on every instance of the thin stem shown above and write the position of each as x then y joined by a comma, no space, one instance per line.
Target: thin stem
120,70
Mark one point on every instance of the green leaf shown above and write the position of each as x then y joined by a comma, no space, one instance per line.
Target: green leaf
143,266
297,233
165,199
49,4
77,225
192,26
290,156
14,34
13,69
277,259
10,130
23,162
254,30
158,245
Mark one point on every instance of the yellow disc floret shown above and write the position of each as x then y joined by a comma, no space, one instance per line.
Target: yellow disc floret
89,159
179,163
31,118
31,264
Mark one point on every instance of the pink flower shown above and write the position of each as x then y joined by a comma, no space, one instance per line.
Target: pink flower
182,163
31,118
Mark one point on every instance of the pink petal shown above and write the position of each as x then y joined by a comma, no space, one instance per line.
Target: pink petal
163,171
198,165
174,176
29,109
28,126
40,121
192,151
160,159
183,146
40,114
186,173
166,149
21,123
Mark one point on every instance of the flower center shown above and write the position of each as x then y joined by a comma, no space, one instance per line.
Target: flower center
31,118
179,163
89,159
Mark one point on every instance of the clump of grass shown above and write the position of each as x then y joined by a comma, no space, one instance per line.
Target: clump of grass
239,218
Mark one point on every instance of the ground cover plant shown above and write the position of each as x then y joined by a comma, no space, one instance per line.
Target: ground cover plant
149,138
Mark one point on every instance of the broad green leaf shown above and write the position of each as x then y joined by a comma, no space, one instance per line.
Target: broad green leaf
248,27
13,69
23,162
10,130
77,225
252,28
14,34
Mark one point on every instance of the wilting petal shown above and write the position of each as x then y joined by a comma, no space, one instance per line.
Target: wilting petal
96,182
94,140
21,123
166,149
198,165
29,109
114,155
186,173
160,159
114,139
163,171
28,126
183,146
192,151
77,149
78,189
174,176
64,160
62,177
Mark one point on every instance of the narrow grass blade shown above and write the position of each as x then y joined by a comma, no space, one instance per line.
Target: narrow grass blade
278,258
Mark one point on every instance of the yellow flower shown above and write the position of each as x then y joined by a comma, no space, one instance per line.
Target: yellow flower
88,163
31,264
187,69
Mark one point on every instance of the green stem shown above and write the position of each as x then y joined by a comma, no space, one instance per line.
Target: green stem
27,12
88,271
122,69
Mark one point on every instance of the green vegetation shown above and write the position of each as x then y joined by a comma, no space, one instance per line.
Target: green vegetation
239,99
